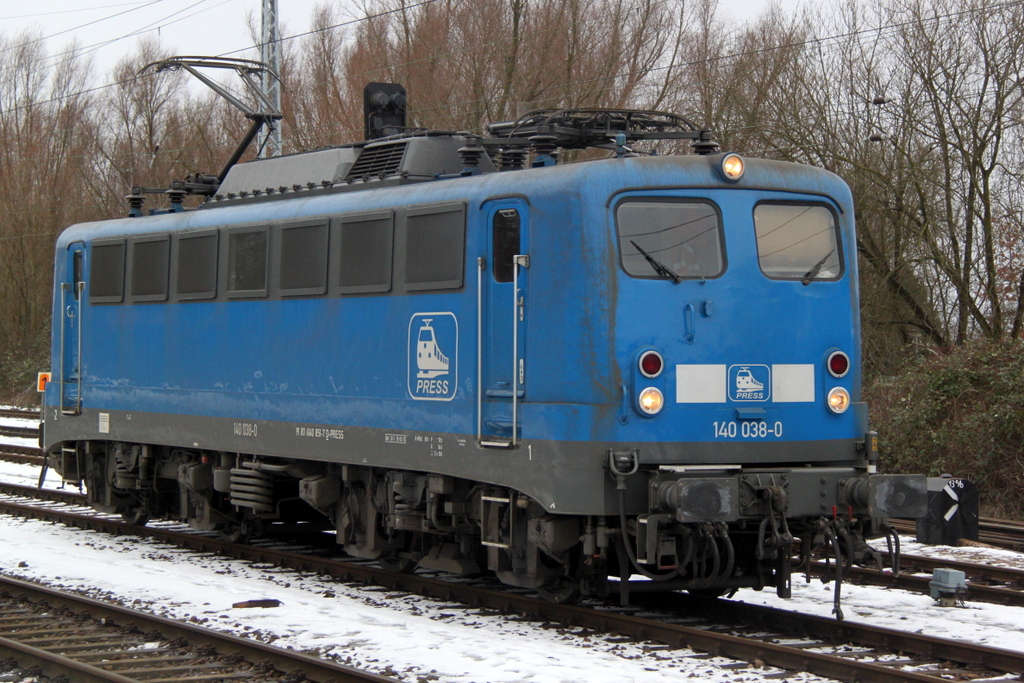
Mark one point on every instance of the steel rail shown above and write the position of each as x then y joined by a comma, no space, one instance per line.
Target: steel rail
224,643
54,664
24,450
21,413
1002,533
8,454
53,495
675,635
978,592
982,572
19,432
811,626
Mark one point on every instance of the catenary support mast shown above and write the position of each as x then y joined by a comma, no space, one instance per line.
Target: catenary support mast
270,55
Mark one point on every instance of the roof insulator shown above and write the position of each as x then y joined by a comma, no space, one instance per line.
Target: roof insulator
135,201
706,144
513,159
176,195
470,155
543,149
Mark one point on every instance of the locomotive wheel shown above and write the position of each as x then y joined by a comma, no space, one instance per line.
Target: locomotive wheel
138,516
233,534
243,532
707,593
397,564
562,591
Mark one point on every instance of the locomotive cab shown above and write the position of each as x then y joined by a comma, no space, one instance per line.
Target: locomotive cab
737,328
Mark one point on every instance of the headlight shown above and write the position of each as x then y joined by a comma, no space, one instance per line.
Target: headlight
732,167
838,400
651,400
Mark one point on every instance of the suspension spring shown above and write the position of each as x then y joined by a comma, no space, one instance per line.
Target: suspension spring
252,489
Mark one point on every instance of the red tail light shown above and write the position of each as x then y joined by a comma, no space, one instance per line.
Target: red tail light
838,364
651,364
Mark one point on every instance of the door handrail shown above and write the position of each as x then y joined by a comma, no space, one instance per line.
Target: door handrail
519,260
64,287
481,263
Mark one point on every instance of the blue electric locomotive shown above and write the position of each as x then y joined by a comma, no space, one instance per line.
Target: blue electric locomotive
557,372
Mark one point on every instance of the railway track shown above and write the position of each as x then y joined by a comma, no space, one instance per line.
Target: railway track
89,641
21,413
1001,533
996,585
839,650
23,455
19,432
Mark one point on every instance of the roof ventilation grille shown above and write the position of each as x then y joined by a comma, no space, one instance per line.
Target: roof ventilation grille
378,161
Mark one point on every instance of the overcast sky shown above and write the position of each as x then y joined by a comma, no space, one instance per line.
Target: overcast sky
110,29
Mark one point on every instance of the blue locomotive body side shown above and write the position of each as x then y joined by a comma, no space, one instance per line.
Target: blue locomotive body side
265,372
560,374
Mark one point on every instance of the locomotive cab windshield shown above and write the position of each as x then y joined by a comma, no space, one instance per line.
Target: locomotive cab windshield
797,241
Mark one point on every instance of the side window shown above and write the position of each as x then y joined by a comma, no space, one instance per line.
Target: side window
247,262
196,265
366,246
665,238
435,248
106,275
505,234
77,274
797,242
303,259
150,264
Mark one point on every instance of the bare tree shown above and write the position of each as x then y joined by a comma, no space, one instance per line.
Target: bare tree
47,143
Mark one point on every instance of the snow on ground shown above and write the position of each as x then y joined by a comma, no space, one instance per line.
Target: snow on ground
419,639
412,637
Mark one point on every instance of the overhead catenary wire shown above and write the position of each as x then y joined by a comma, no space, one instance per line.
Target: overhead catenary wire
70,11
78,52
80,26
734,55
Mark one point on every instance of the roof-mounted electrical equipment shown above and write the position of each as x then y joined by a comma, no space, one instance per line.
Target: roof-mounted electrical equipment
264,114
601,128
384,110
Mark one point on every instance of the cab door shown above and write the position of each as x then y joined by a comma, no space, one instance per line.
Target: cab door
502,302
72,291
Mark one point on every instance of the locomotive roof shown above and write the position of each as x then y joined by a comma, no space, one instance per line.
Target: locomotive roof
603,179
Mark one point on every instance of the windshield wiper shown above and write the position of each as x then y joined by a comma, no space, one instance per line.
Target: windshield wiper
809,275
659,268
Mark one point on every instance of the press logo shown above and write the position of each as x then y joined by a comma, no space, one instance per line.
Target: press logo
750,382
433,356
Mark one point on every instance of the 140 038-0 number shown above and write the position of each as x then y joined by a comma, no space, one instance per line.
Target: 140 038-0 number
748,430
